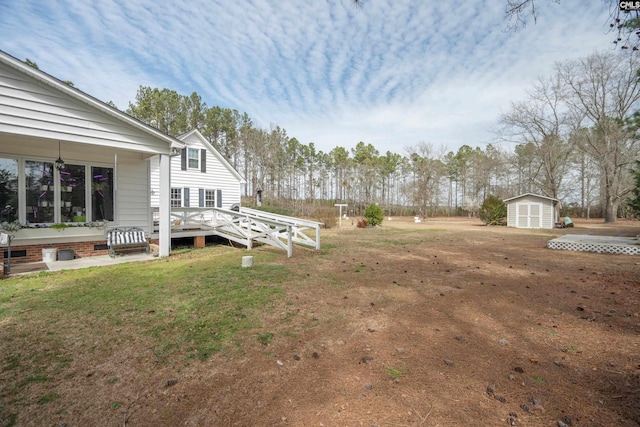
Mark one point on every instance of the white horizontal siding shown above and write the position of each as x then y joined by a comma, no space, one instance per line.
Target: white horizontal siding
217,177
548,214
132,195
29,107
154,179
221,179
511,214
547,219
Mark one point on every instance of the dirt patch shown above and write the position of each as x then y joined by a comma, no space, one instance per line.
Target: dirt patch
442,323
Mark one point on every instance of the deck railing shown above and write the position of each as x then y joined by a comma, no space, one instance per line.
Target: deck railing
244,226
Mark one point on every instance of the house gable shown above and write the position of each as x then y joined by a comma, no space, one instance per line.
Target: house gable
41,119
195,138
37,105
212,179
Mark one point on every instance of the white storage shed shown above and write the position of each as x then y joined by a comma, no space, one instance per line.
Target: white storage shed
532,211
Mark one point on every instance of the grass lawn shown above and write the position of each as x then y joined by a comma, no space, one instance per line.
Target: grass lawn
446,322
182,308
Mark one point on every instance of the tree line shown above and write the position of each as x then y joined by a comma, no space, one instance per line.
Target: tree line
574,138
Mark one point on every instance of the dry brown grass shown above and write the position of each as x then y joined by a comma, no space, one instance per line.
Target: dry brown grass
443,323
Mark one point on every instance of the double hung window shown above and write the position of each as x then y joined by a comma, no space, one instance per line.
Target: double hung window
210,198
176,197
193,158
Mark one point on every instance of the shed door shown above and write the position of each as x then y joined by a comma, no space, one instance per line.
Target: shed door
529,215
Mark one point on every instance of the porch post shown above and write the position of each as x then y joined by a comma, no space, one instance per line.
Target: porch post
164,230
317,237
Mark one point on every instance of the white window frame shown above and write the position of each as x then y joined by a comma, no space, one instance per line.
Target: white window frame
210,198
89,188
176,197
195,158
88,208
18,196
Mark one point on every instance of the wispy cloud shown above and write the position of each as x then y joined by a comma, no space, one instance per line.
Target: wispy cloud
393,73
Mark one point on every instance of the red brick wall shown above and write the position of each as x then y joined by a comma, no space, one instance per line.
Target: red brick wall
34,252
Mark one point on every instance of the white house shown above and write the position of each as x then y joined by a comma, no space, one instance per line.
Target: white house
532,211
200,176
104,177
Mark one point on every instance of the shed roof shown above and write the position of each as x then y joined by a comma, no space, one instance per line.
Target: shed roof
530,195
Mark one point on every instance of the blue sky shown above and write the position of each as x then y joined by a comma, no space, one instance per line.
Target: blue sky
394,73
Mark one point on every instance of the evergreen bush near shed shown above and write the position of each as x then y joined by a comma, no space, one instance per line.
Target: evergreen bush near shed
634,200
493,211
373,214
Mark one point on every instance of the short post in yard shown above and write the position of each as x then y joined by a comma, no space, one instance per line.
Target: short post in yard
340,205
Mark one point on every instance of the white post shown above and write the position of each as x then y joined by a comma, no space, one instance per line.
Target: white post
340,205
317,237
247,221
164,230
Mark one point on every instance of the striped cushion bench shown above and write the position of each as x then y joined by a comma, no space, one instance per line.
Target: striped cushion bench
126,239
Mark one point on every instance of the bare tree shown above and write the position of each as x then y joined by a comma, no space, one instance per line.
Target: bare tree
585,174
543,122
604,89
518,12
624,24
426,172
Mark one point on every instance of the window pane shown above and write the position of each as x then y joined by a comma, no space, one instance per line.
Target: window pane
72,194
210,198
194,158
176,197
102,194
39,191
8,190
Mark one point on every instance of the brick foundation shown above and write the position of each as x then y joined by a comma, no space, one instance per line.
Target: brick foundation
80,250
34,252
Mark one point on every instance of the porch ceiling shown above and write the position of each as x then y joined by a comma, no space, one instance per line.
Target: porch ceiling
42,147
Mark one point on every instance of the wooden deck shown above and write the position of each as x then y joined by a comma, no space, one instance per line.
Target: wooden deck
245,227
599,244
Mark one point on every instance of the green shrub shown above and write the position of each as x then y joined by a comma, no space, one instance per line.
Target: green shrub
634,200
493,211
373,214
